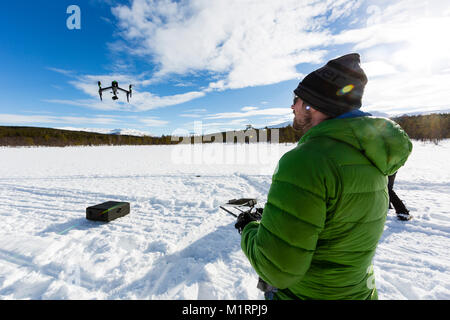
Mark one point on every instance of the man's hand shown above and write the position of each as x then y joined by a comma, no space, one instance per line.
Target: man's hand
247,217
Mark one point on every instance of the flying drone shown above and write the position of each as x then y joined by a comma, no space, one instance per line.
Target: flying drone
115,88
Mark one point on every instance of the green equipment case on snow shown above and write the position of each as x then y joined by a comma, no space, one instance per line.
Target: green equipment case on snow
107,211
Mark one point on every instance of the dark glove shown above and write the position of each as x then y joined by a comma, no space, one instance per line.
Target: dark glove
265,287
247,217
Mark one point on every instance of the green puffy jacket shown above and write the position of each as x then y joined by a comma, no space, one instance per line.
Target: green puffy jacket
326,210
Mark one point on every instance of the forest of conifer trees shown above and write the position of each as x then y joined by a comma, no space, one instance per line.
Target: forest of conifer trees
433,127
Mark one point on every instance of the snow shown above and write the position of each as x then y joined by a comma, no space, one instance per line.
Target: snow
176,243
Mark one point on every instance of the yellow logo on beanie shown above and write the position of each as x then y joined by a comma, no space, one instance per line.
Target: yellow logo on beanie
345,90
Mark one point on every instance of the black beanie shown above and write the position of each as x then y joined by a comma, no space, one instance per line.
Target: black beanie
336,88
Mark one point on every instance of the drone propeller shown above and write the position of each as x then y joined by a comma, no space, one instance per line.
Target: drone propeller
100,90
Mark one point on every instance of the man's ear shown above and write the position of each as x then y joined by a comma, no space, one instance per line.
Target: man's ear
320,115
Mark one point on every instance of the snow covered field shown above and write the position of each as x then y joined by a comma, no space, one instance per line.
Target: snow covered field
176,243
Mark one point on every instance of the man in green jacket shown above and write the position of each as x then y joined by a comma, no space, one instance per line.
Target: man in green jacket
328,201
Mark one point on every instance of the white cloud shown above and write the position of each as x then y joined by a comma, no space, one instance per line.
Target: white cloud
190,115
197,110
378,68
249,108
407,92
405,55
245,42
228,121
147,101
140,100
91,104
153,122
194,113
282,112
21,119
249,43
407,35
238,120
61,71
32,119
242,43
203,127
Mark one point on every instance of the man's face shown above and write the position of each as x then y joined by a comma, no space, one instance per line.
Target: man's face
302,116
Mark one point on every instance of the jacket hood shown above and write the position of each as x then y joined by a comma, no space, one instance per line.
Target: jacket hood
380,140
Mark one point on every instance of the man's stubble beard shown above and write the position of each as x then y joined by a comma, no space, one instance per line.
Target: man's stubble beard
304,123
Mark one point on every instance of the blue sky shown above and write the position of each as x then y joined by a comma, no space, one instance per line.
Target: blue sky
224,63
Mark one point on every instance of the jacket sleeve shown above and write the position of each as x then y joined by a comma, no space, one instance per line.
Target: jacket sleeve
280,248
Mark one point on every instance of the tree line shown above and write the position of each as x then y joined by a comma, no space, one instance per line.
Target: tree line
433,127
36,136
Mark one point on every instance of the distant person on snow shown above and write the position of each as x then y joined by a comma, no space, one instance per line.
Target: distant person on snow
396,202
327,204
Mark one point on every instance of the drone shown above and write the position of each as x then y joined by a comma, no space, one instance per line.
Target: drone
115,88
